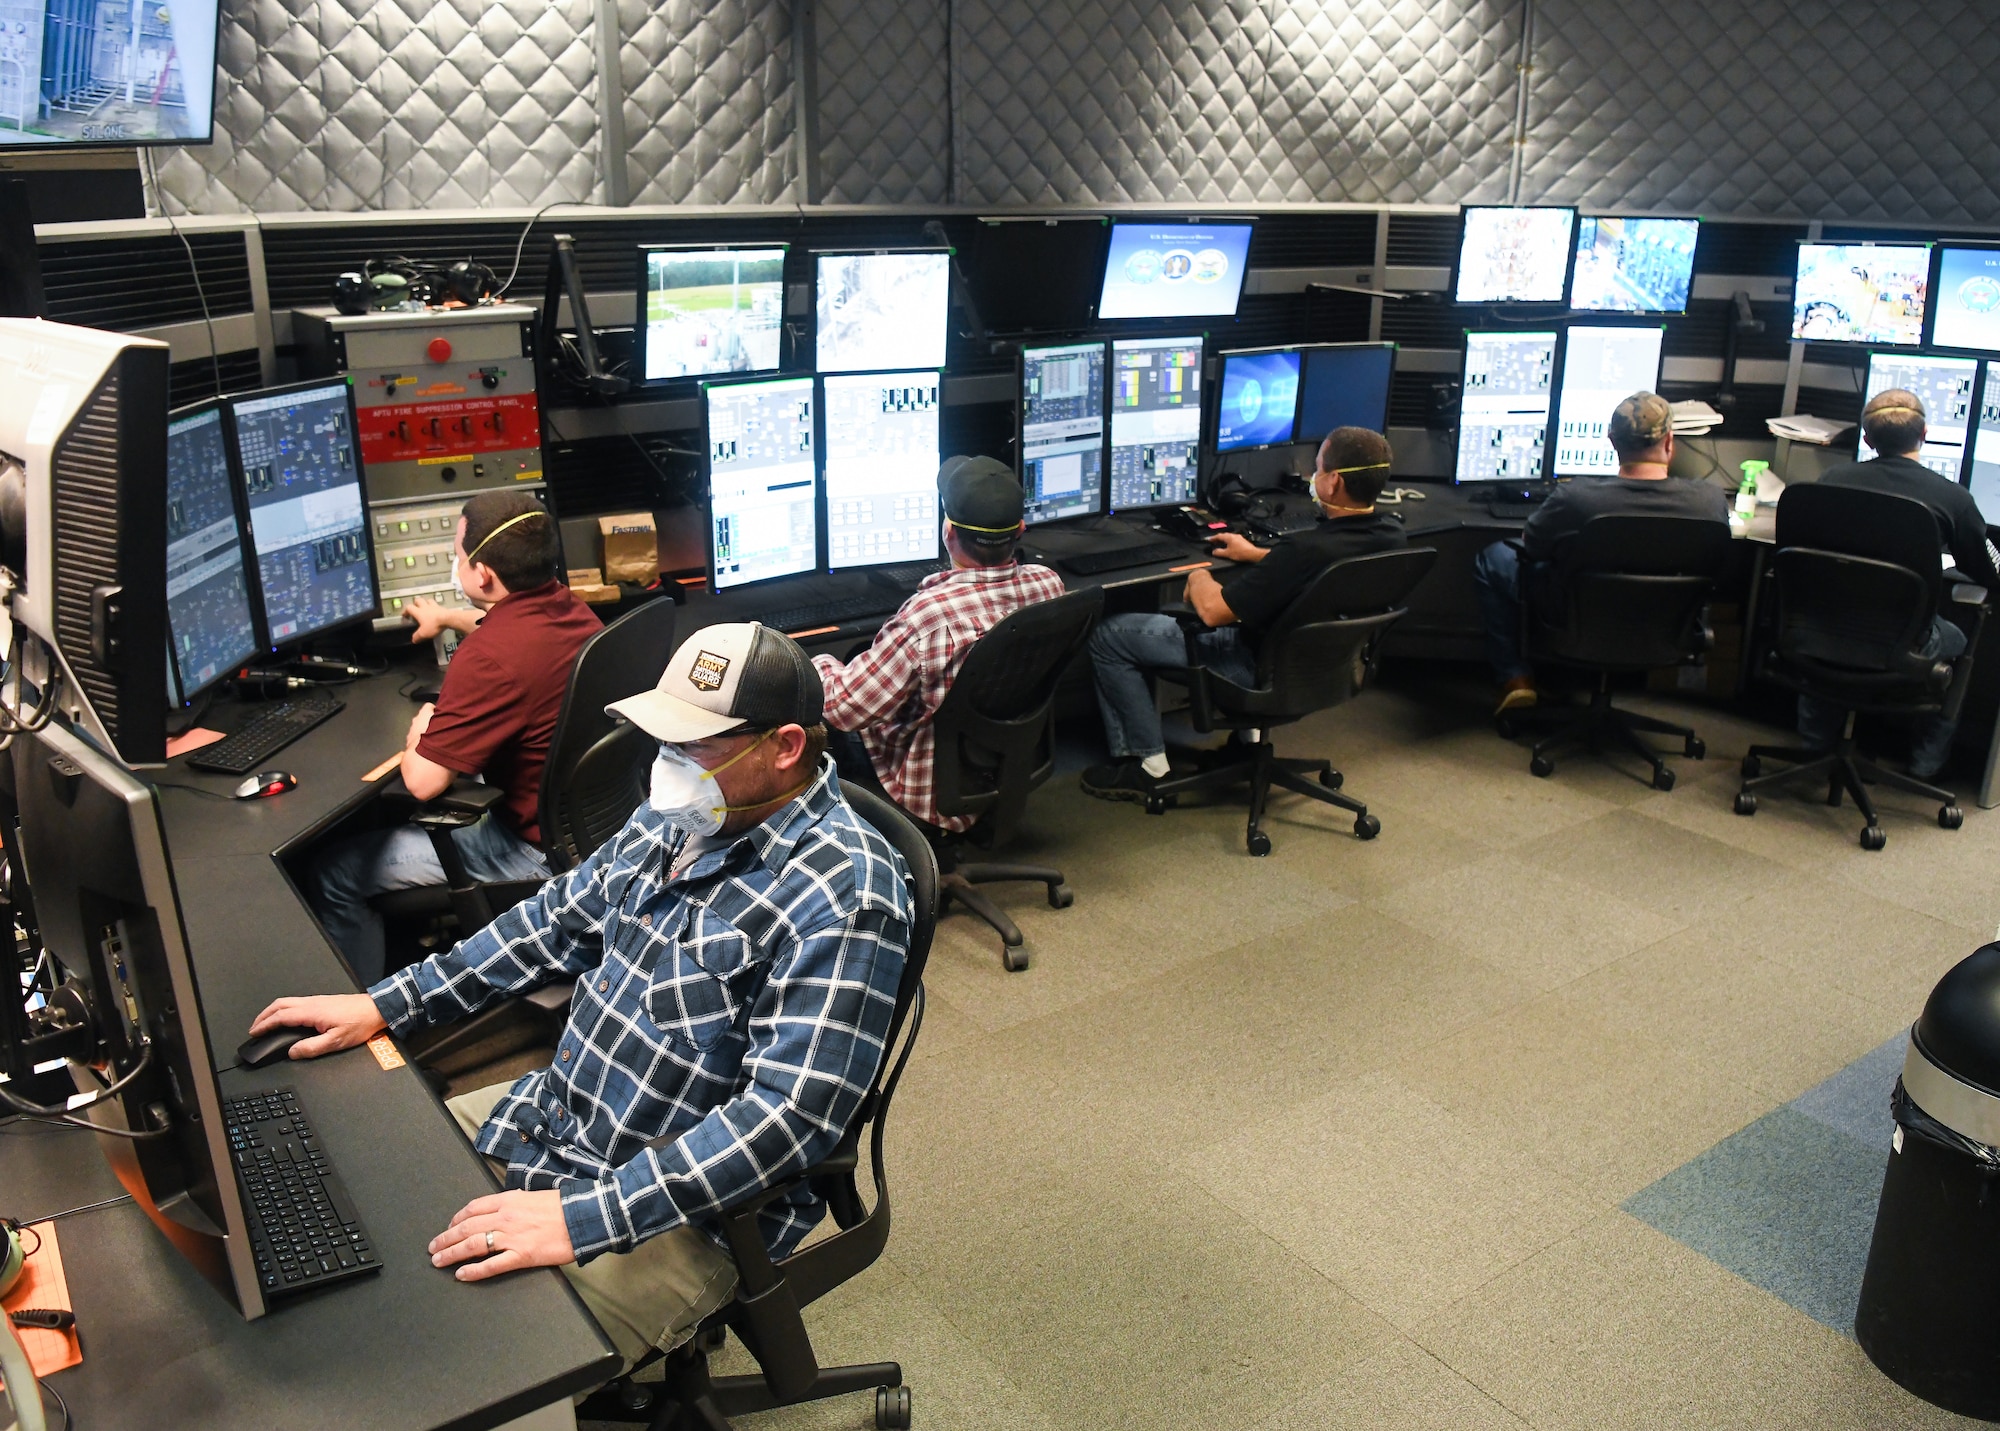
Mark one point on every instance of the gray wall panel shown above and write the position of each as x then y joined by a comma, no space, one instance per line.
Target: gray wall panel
708,101
884,105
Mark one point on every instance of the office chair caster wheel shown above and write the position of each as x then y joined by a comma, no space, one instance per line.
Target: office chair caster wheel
1258,842
1061,896
1873,837
1752,767
892,1408
1951,817
1694,748
1506,727
1014,958
1332,779
1159,804
1543,766
1746,803
1663,779
1366,827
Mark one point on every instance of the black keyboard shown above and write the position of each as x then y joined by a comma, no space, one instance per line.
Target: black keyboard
274,728
829,613
1512,511
303,1228
1091,563
906,576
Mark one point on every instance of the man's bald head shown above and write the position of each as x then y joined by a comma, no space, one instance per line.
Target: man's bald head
1893,422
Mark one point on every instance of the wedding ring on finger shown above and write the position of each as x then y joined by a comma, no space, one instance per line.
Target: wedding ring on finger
489,1242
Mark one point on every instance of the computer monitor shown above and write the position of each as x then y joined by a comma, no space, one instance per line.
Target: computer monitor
1503,417
1062,431
301,472
1861,293
1155,421
1965,311
881,462
1260,399
1169,270
1345,385
763,514
704,311
1601,368
1982,474
881,311
1633,265
211,619
1514,255
1945,387
91,843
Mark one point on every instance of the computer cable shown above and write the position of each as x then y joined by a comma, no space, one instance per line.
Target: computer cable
194,271
522,244
1401,494
66,1112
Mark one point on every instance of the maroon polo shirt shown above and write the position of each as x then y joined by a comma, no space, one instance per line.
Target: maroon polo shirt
502,693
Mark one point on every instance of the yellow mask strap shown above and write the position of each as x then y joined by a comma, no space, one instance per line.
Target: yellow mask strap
985,531
776,800
474,553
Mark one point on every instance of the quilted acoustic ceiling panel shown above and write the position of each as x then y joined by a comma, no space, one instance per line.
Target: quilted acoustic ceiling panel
884,101
709,111
370,104
1241,100
1855,109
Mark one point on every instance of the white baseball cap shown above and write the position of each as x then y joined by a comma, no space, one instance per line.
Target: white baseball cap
738,675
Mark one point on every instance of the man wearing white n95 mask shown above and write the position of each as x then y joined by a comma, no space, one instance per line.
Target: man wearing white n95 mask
737,949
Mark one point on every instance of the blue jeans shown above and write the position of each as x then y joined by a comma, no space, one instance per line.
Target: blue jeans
1123,648
1821,722
348,873
1497,573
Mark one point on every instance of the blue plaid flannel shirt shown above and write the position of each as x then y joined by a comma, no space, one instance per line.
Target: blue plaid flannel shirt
726,1025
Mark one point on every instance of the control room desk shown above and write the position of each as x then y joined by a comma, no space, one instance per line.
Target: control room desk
408,1347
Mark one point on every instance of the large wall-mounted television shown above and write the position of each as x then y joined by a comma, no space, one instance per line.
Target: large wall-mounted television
107,72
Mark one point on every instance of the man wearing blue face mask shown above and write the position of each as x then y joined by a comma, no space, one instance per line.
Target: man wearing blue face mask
738,948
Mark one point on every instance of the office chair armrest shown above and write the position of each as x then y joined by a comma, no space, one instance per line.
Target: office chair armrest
461,805
1969,594
1976,597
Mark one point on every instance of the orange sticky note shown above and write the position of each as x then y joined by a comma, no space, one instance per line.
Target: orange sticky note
385,1051
44,1286
192,740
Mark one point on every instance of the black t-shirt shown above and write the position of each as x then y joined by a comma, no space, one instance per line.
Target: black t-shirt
1961,528
1581,498
1259,593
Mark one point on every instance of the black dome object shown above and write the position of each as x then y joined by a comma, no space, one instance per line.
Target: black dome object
1960,1027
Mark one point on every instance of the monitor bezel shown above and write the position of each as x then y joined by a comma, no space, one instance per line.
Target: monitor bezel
1155,340
256,568
639,325
1576,245
823,493
1555,387
1117,222
1552,442
1923,323
1986,366
247,552
811,383
1930,339
816,254
1102,505
1306,350
1558,304
1864,453
1214,442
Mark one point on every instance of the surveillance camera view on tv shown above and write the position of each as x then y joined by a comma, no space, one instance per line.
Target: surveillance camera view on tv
1601,368
1174,270
1503,421
763,517
1944,386
878,311
1633,265
1968,299
1514,255
1155,421
1260,399
1062,431
1861,293
881,468
106,71
303,479
712,311
209,620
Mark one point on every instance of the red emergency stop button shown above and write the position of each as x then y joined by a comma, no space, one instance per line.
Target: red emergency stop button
440,350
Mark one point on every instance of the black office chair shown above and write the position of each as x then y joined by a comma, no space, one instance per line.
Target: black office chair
765,1313
1313,657
1858,584
995,742
1623,595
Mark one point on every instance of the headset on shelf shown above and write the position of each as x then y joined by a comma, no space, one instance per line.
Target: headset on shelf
384,283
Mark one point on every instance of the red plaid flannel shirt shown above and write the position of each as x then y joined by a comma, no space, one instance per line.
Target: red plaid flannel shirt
890,691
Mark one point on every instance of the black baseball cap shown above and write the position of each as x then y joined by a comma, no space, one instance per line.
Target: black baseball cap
982,498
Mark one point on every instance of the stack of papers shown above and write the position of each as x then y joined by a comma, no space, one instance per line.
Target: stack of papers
1799,427
1694,417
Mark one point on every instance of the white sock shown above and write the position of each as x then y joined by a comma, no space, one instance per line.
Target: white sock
1156,765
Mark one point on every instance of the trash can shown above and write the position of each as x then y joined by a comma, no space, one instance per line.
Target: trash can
1929,1315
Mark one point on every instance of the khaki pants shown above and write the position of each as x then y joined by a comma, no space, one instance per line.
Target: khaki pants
653,1296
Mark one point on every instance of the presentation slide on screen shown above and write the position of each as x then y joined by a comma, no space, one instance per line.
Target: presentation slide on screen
1174,271
110,72
1968,299
1260,393
1861,293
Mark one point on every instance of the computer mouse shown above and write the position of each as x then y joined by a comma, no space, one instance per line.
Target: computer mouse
267,782
270,1047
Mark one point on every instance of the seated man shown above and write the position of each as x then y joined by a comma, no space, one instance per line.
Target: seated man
887,695
1351,470
1893,422
495,716
1641,431
740,945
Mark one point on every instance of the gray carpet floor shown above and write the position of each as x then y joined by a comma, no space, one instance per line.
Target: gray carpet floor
1342,1137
